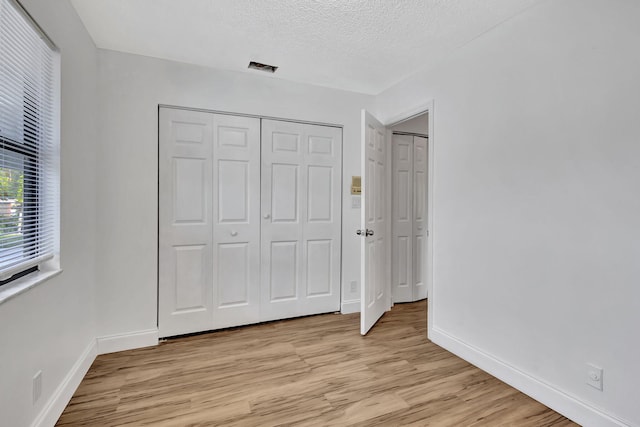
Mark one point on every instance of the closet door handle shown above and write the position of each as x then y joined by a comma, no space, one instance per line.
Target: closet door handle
234,233
266,216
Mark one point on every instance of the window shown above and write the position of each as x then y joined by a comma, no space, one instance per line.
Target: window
29,144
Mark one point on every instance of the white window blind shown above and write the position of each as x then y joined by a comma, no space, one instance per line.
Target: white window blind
29,142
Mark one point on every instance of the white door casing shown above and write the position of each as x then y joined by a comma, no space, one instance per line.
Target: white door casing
185,218
300,239
374,295
420,185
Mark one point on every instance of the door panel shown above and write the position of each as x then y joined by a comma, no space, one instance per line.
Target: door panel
189,190
284,193
402,244
420,164
284,271
319,191
234,263
374,289
301,174
236,222
319,267
190,285
233,191
185,219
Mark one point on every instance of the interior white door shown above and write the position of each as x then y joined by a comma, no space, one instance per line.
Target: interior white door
420,165
402,264
374,294
185,222
236,220
301,175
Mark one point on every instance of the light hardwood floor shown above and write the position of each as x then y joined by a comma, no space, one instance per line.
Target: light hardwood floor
313,371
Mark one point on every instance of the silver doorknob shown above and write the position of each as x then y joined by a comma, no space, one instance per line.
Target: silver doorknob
369,232
266,216
234,233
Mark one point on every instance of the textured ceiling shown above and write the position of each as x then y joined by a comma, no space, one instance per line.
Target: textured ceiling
359,45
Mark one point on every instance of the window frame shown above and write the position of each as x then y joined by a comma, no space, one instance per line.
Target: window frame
30,147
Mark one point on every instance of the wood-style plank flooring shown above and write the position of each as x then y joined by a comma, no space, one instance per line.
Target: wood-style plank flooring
312,371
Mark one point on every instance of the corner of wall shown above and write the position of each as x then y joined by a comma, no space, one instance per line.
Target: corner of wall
65,390
350,306
128,341
561,402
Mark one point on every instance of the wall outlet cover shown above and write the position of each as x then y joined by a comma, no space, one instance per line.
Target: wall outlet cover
354,286
594,376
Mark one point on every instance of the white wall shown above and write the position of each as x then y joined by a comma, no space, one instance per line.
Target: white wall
130,88
536,226
51,327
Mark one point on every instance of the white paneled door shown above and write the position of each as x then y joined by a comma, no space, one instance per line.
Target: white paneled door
249,223
374,296
185,215
301,175
236,220
409,230
420,235
402,230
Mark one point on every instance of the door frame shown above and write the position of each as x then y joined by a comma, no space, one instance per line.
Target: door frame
397,117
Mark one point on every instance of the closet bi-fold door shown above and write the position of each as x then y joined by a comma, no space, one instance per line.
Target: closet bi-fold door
420,164
409,228
236,220
209,221
402,244
301,175
185,215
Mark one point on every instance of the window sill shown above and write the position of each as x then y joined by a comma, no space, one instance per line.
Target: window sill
25,283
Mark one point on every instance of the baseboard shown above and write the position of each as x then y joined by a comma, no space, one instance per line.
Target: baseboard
128,341
348,307
561,402
64,392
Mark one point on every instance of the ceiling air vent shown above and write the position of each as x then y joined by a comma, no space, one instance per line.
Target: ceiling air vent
262,67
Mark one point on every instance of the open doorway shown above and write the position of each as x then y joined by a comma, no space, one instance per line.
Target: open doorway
376,213
409,218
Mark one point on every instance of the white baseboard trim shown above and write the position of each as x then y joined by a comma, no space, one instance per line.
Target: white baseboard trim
567,405
128,341
348,307
64,392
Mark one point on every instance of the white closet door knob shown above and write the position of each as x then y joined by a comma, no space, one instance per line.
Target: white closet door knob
234,233
266,216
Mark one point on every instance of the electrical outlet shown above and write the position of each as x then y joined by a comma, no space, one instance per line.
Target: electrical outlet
594,376
354,287
37,386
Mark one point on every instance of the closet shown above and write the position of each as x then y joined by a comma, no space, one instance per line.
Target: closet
409,217
249,220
